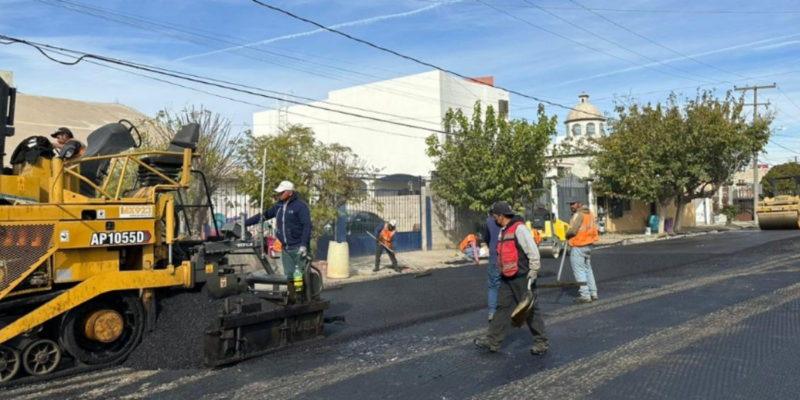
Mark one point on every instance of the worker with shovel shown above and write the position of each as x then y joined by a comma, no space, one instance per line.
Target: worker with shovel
384,236
518,262
582,234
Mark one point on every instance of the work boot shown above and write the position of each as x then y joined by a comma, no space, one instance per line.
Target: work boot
582,300
397,268
539,348
376,269
484,343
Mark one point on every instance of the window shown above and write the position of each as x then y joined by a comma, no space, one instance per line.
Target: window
502,107
576,129
590,129
602,129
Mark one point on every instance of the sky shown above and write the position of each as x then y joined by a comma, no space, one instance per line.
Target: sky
616,52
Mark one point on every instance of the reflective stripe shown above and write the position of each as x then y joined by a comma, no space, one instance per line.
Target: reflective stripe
587,233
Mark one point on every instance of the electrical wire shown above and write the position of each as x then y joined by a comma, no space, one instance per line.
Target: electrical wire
612,42
407,57
81,56
303,62
341,123
626,29
784,147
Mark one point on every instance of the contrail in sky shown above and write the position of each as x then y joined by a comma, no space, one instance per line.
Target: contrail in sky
365,21
722,50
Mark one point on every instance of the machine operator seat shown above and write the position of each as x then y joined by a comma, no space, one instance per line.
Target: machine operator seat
170,165
113,138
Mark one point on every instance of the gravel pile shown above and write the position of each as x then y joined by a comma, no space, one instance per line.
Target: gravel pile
177,341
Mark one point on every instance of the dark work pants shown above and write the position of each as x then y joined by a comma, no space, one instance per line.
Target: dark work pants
510,293
378,251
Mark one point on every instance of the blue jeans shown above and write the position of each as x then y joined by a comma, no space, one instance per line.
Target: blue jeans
291,260
580,258
493,281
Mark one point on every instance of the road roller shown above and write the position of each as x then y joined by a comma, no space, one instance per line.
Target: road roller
553,232
783,210
90,234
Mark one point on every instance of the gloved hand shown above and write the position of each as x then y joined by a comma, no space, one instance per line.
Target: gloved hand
302,252
532,275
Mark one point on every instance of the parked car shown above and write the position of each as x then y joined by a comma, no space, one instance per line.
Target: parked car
358,222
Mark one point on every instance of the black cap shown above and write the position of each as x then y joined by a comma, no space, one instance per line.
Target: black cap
502,208
573,200
61,130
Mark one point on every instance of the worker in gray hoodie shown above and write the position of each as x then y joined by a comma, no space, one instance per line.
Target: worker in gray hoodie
518,262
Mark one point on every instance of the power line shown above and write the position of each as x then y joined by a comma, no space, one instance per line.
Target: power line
678,11
341,123
184,33
653,41
597,36
784,147
193,78
406,57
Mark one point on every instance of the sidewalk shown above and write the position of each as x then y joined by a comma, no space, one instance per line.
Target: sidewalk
416,261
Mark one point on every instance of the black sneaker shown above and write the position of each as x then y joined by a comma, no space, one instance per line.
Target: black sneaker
483,343
539,348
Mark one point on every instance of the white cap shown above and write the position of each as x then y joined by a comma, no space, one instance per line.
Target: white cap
284,186
393,222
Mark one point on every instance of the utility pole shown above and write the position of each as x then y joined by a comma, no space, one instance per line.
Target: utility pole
755,153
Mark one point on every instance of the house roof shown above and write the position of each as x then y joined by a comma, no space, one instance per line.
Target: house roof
41,116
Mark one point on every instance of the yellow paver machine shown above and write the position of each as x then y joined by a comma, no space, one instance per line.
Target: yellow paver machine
89,235
783,210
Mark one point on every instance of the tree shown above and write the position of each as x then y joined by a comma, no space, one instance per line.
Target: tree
784,186
326,175
672,153
217,147
490,158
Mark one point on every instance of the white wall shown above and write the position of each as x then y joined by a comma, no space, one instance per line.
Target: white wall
419,100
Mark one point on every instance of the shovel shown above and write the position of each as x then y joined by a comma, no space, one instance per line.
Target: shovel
523,309
419,273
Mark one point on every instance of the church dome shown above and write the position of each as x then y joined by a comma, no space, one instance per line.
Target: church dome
584,111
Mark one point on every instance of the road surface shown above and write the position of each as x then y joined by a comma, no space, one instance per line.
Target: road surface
708,317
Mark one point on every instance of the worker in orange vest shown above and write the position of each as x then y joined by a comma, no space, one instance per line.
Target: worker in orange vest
581,235
469,247
384,235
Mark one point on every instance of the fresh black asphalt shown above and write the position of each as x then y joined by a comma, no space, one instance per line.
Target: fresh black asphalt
407,337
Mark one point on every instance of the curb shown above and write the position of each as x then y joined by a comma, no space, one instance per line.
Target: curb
629,241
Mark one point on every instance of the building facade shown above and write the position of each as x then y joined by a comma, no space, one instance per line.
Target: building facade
414,105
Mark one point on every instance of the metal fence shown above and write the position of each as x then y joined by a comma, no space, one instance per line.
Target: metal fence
569,187
384,199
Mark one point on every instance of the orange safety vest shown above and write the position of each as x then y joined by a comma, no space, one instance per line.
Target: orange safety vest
537,236
587,233
507,254
387,236
467,240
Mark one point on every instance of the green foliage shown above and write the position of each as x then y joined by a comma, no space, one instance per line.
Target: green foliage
664,153
324,175
789,185
489,158
730,212
216,146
